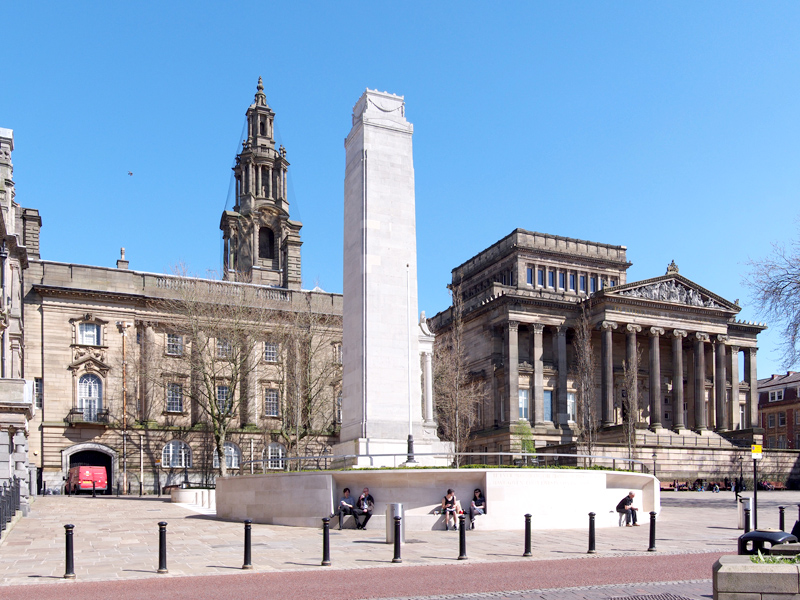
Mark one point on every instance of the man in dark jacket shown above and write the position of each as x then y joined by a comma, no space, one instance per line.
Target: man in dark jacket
364,506
626,506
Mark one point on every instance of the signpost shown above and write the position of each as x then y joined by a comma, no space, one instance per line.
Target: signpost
756,452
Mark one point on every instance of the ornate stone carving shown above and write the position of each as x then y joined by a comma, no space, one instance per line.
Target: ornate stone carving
672,267
679,333
630,328
699,335
656,331
671,291
722,338
537,328
513,325
606,325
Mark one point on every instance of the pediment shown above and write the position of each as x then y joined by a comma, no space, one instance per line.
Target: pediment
672,289
89,360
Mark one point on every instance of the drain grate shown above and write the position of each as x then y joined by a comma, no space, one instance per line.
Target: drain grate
650,597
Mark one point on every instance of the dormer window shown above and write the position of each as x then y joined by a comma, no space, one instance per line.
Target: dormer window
776,396
89,334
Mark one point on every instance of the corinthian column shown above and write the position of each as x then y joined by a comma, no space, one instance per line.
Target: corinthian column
427,373
655,377
632,360
607,372
700,380
561,393
734,361
512,370
752,381
677,378
538,375
720,386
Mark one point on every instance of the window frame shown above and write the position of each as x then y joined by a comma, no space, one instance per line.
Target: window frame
776,396
572,407
771,421
782,419
171,387
540,276
234,457
87,402
184,452
524,403
38,392
83,329
174,347
276,457
267,392
224,348
271,352
227,407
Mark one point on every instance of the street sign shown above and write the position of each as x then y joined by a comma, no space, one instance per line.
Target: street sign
158,461
756,450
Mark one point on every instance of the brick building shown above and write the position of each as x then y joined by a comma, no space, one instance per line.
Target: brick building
779,410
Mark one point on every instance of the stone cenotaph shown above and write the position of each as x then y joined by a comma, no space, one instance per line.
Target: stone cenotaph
384,343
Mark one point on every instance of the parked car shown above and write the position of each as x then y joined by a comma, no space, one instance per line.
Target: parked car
80,479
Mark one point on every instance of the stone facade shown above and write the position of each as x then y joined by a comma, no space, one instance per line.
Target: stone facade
116,367
522,300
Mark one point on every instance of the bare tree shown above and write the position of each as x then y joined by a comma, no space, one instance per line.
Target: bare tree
775,286
630,399
458,393
309,368
585,382
222,325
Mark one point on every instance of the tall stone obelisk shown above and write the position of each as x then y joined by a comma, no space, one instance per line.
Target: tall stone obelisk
381,389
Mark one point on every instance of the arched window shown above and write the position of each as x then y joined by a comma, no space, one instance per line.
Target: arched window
276,455
90,396
176,454
233,456
266,243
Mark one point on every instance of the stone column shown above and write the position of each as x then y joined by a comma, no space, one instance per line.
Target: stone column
269,182
538,375
561,392
632,360
512,371
655,377
752,381
734,417
607,373
677,378
721,416
700,380
427,373
150,360
258,180
251,389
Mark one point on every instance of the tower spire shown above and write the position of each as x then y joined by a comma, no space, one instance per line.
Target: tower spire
261,98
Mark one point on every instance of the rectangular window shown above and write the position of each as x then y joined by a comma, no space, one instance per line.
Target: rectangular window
530,276
38,392
771,441
89,334
551,279
667,416
592,284
523,404
612,283
223,348
339,407
782,442
540,277
797,440
562,280
174,344
771,421
270,352
742,417
572,406
781,419
776,396
337,354
174,398
796,416
224,404
583,283
602,283
547,404
271,402
572,281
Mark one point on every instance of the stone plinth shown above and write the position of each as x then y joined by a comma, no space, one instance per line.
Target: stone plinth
738,578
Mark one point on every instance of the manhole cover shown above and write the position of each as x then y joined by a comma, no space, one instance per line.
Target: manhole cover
651,597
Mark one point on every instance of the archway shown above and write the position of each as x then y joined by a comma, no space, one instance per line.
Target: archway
91,454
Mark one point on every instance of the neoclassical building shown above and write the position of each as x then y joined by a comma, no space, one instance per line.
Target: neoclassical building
522,300
114,363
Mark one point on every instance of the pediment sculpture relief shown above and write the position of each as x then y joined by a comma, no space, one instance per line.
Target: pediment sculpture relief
671,291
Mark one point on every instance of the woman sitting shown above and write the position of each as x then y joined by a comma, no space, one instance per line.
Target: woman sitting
450,507
476,507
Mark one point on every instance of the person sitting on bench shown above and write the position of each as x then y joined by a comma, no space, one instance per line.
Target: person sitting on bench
626,506
347,505
364,506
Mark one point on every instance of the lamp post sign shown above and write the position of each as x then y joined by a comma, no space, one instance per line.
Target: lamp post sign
756,452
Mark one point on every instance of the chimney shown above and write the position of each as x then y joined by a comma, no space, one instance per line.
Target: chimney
122,263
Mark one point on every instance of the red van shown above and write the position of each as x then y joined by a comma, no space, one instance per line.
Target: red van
81,478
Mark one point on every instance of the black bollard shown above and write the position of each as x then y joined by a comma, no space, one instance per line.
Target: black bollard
652,547
462,537
746,520
140,489
591,534
527,536
326,542
162,547
781,518
94,492
397,558
69,572
248,563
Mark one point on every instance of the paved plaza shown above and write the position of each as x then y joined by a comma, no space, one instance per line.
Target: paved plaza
116,540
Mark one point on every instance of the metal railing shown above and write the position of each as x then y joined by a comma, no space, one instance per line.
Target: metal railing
9,503
694,441
84,415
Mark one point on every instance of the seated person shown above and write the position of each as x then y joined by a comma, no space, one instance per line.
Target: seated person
626,506
347,506
476,507
364,506
450,508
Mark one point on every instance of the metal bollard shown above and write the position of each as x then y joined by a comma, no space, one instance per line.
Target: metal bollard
140,489
591,534
397,558
69,572
781,518
527,536
94,492
652,547
162,547
462,537
746,520
248,563
326,542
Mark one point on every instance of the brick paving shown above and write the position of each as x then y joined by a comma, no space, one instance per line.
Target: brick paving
116,539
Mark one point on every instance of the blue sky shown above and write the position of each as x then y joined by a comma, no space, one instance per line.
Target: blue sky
670,128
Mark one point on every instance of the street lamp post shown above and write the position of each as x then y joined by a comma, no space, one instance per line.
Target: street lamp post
654,464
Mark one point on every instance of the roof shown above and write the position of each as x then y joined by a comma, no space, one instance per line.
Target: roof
779,381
